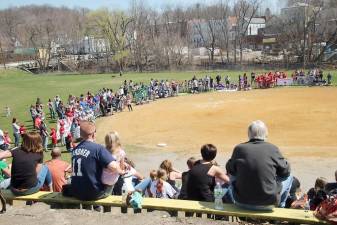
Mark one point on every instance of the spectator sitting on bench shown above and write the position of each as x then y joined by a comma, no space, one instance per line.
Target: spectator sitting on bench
184,179
145,184
88,161
260,175
172,173
160,188
203,175
114,146
28,173
5,175
58,169
329,187
317,194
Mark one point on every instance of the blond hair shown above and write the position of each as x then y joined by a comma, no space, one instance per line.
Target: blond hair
112,141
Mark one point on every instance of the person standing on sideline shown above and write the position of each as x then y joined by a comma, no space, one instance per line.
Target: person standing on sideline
261,176
88,161
16,132
53,136
7,111
62,133
51,109
129,102
44,135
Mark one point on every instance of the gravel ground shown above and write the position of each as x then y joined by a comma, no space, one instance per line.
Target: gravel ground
40,213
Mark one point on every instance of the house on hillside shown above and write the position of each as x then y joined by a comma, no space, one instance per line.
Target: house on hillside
253,35
254,24
88,45
253,38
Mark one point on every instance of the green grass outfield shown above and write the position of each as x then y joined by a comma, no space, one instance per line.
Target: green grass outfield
19,90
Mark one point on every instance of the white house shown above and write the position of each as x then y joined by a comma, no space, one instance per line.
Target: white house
254,25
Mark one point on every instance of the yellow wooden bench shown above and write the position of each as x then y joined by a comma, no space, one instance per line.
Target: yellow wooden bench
278,214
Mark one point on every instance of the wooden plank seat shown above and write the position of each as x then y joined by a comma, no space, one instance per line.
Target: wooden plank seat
278,214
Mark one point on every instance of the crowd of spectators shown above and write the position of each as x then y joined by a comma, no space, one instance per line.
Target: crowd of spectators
312,78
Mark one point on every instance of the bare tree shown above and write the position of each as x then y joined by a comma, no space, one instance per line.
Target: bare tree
244,11
138,35
208,27
2,54
10,21
305,28
39,32
224,35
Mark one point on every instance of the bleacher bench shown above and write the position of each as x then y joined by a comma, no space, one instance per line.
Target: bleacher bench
278,214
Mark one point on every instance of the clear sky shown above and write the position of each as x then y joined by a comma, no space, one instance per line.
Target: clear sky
115,4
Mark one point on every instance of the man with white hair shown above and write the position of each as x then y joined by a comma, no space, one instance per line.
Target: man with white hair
259,173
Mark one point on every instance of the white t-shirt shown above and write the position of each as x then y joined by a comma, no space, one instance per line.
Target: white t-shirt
16,128
167,192
2,141
108,177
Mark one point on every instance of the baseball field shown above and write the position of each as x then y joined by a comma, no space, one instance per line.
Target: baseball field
301,120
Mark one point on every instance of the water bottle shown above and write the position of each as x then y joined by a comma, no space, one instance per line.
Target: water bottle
124,193
218,194
307,206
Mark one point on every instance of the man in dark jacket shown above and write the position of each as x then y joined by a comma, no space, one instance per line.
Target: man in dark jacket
260,174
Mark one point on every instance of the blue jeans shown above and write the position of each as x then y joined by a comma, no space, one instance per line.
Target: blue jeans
45,142
43,177
16,139
286,186
5,183
143,184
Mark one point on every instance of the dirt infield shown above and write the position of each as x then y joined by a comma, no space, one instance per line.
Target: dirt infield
302,122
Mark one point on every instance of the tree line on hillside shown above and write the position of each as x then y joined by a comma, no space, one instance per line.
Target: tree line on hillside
143,38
